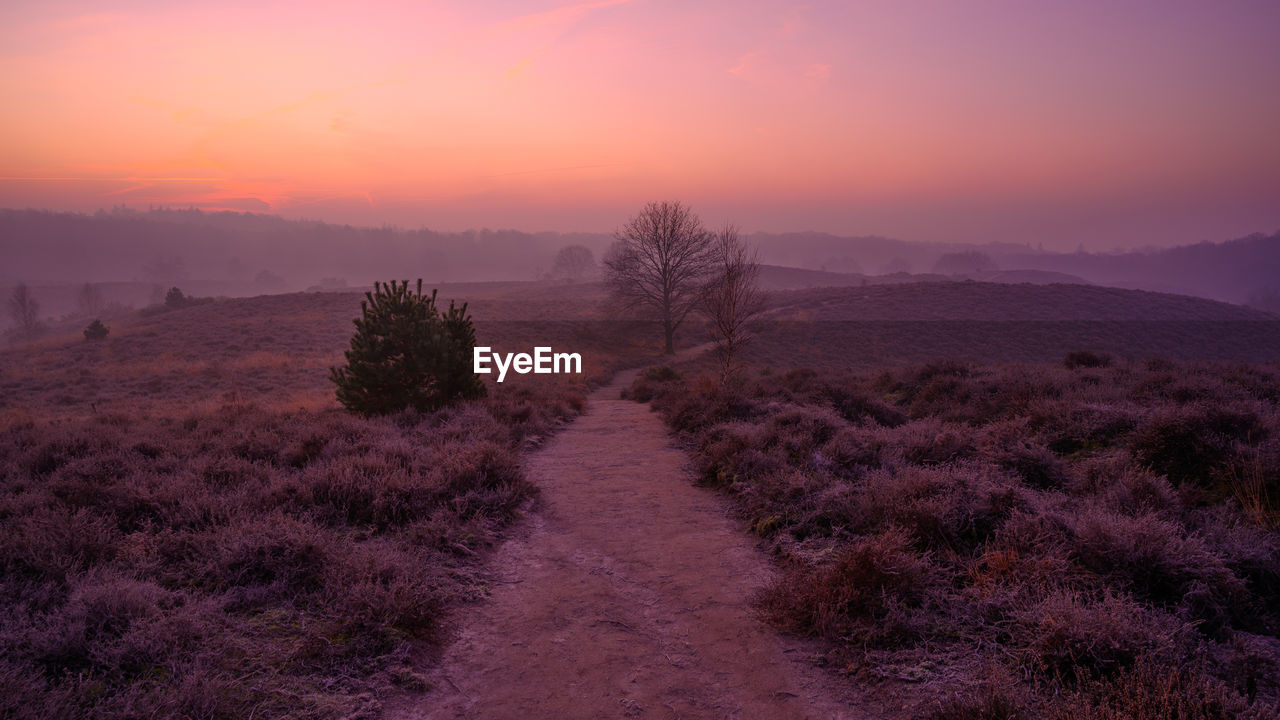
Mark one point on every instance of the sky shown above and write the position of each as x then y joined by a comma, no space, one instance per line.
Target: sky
1111,124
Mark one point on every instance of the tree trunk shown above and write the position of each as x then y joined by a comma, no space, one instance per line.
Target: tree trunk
671,333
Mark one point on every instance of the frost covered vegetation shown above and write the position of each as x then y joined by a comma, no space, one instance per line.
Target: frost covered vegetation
191,527
1099,534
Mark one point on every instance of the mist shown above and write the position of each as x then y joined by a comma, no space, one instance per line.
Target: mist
136,256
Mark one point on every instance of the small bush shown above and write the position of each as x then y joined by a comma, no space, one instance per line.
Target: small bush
266,559
855,405
1192,443
96,331
1011,445
1155,560
1152,691
991,700
930,442
660,373
872,579
407,354
1068,638
650,383
1086,359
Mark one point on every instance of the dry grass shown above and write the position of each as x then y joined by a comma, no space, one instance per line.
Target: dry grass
887,326
1101,532
191,527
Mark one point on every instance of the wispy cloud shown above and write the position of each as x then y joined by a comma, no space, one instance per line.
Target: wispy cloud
518,69
549,170
563,14
746,62
557,22
818,71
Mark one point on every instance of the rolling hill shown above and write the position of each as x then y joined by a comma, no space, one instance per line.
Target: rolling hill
887,325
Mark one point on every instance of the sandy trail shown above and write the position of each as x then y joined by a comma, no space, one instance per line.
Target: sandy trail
626,595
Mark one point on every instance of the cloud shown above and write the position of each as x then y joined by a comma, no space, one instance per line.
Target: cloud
518,69
554,23
564,13
746,62
818,71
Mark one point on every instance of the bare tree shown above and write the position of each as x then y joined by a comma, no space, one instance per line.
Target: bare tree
574,263
25,312
659,263
732,300
90,300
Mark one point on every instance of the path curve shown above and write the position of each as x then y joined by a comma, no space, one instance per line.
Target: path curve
626,595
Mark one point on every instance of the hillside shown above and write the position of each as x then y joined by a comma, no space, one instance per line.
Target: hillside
1234,270
880,326
1000,302
273,349
224,253
278,348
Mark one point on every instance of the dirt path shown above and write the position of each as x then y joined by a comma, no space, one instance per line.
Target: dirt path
626,596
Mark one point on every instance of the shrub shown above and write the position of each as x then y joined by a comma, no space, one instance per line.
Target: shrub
96,331
856,406
1010,445
688,412
992,699
174,299
943,508
1068,638
1086,359
1071,427
1192,443
873,578
1125,488
1157,561
655,380
266,559
930,442
1151,691
726,452
797,431
1023,516
381,591
660,373
407,354
853,447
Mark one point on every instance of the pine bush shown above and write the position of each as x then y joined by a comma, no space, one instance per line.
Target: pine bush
96,331
407,353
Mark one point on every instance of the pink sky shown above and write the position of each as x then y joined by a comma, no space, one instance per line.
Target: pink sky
1112,124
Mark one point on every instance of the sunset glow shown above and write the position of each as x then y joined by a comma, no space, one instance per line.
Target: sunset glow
1108,124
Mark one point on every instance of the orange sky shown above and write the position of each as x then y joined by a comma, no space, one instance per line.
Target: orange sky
1111,124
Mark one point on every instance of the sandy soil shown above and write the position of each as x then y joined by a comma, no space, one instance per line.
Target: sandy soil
626,595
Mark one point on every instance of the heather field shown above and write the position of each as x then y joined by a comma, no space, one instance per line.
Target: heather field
888,325
190,526
273,349
1085,539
